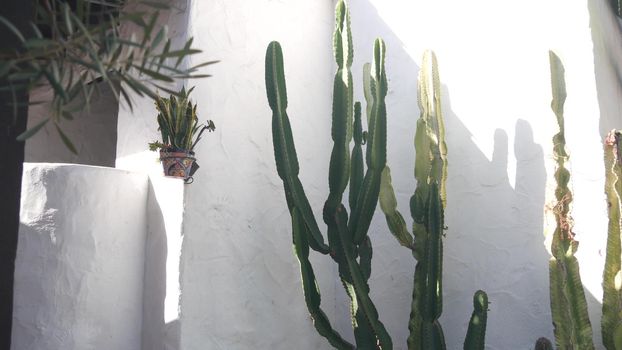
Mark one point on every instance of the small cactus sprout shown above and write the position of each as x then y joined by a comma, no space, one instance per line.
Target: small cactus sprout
543,344
476,333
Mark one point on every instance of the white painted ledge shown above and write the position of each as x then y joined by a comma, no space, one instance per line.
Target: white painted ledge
96,268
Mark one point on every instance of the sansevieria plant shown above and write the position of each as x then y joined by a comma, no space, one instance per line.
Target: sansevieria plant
181,131
178,123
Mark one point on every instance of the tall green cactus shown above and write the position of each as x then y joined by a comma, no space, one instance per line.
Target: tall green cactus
427,207
568,304
611,322
348,243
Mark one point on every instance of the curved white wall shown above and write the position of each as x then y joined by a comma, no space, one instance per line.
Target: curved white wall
80,260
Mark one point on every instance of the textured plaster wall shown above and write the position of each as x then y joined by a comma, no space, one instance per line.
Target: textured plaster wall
162,290
80,260
496,95
239,279
241,284
98,259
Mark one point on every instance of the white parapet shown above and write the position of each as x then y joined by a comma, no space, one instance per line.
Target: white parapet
80,261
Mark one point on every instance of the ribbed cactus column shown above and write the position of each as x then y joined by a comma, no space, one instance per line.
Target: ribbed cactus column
611,322
568,305
305,230
477,325
427,207
348,243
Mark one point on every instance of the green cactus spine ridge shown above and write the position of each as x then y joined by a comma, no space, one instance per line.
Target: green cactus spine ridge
350,249
283,141
375,149
427,207
611,322
303,222
476,333
427,210
572,326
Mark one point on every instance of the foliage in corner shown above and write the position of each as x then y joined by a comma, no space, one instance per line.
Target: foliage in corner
178,123
72,46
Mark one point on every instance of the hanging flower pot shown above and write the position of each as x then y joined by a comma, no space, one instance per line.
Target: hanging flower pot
181,131
178,163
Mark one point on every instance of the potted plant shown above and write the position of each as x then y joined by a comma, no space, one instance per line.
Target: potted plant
181,131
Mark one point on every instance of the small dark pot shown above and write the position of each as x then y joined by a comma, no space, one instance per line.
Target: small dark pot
177,163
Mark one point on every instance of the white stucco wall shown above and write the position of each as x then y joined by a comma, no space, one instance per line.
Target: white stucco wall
98,259
495,73
241,284
240,281
163,249
80,260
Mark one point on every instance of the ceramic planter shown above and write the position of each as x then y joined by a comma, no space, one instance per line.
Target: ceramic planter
178,163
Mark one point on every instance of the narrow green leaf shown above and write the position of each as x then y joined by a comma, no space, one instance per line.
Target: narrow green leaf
66,140
126,97
12,28
5,67
186,48
30,132
154,74
156,4
67,18
158,38
56,86
67,115
193,68
38,43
